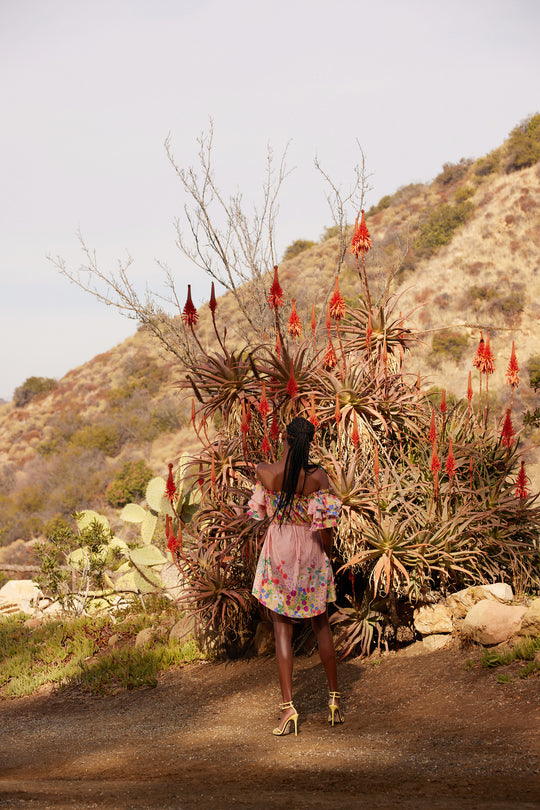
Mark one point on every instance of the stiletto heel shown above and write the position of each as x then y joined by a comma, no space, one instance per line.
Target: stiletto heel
335,709
279,732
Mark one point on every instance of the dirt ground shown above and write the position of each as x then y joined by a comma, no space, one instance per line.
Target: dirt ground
422,732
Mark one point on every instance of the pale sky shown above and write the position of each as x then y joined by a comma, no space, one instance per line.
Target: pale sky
90,90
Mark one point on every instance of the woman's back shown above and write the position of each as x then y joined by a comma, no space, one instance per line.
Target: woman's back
271,477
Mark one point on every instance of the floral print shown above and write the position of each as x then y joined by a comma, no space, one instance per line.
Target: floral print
294,576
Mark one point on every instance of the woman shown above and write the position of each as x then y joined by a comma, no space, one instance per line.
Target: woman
294,576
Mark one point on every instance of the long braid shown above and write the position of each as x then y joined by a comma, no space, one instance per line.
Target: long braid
300,432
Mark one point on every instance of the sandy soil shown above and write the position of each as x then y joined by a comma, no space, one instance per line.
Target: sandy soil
420,733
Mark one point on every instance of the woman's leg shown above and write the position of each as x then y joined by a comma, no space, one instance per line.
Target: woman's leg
283,631
325,642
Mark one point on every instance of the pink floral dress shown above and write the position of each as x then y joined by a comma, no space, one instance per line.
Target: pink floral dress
294,576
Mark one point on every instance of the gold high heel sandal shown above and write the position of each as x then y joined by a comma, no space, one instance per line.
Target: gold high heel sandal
335,709
279,732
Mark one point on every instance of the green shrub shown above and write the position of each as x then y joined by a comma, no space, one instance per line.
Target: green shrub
297,247
449,344
452,172
441,226
129,484
330,232
533,367
523,145
98,437
384,202
464,193
488,164
31,388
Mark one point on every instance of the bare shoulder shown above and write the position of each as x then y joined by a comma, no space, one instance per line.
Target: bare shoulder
265,474
321,478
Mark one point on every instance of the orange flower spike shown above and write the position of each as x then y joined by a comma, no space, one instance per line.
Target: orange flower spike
469,389
443,406
274,428
336,307
450,462
313,320
312,415
330,359
264,407
355,437
479,356
170,488
508,432
292,387
521,484
512,372
189,314
435,463
212,306
275,299
244,425
488,362
376,462
432,429
294,326
361,241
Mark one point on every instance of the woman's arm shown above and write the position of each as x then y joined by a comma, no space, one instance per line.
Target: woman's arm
326,537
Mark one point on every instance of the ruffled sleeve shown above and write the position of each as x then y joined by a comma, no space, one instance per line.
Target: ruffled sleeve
257,503
324,509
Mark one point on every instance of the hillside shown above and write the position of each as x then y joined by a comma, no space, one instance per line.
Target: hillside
461,254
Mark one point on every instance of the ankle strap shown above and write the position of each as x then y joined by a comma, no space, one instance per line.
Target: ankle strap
288,705
334,694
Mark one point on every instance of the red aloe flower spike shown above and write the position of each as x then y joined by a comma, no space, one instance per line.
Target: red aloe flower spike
435,463
275,299
294,326
264,407
450,462
189,315
432,429
170,489
313,320
312,415
172,543
469,389
265,446
361,241
330,359
292,387
521,484
213,303
355,438
512,373
337,410
479,356
168,526
278,345
244,425
376,462
369,332
274,428
488,364
443,406
508,432
336,306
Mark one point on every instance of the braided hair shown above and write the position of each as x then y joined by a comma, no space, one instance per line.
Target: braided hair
300,433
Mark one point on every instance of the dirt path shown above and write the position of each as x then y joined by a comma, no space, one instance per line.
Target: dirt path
419,733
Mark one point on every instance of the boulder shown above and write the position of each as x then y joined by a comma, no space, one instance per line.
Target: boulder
183,629
490,622
530,624
433,619
113,640
33,623
24,593
436,641
462,601
144,637
172,579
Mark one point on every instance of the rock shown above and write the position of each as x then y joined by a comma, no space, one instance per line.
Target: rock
21,592
8,608
530,624
183,629
413,649
433,619
436,641
172,580
490,622
462,601
144,637
113,640
264,639
33,623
